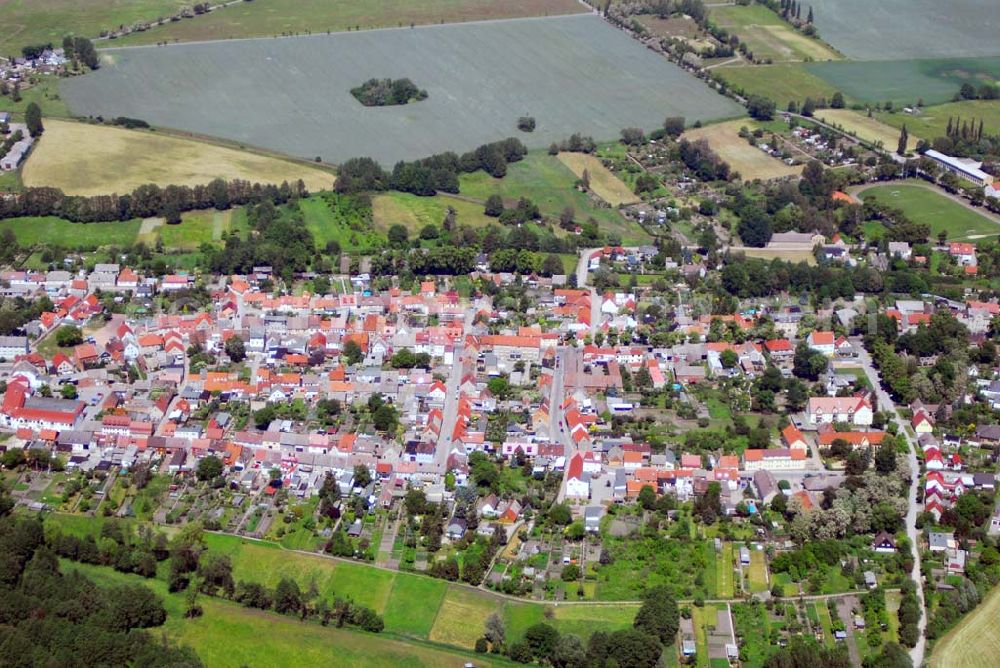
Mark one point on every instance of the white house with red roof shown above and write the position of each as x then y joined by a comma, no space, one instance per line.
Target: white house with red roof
823,342
577,480
964,253
851,410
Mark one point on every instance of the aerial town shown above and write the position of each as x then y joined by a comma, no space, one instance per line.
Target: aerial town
697,365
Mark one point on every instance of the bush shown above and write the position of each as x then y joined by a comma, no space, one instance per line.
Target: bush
526,124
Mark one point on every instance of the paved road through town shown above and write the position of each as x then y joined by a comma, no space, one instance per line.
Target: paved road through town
886,404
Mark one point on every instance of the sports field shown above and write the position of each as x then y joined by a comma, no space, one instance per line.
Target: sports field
24,22
83,159
780,83
265,18
768,36
572,73
868,129
975,642
603,182
923,205
904,82
749,161
932,122
899,29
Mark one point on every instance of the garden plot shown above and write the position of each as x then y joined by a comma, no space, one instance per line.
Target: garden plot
573,74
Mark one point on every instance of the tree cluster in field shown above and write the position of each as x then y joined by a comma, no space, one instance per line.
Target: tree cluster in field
576,143
428,176
526,123
388,92
81,50
282,241
653,630
117,545
967,91
146,201
703,161
51,618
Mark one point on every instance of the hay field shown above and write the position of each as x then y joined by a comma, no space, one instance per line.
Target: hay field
749,161
572,73
603,182
868,129
932,122
83,159
891,29
265,18
904,82
769,37
975,642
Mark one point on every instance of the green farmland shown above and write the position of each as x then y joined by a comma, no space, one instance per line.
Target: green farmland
782,83
890,29
285,17
572,73
904,82
923,205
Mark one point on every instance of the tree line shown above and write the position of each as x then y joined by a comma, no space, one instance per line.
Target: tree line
428,176
146,201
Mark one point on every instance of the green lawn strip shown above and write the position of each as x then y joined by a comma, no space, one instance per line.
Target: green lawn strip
82,236
724,570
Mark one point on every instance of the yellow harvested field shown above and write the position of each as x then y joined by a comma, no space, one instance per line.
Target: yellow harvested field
868,129
603,182
84,159
975,642
751,162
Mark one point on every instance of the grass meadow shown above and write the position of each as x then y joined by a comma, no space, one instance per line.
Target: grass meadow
231,635
78,236
923,205
283,17
547,182
83,159
768,36
25,22
932,122
749,161
781,83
